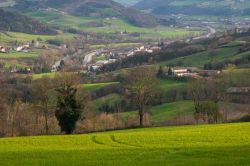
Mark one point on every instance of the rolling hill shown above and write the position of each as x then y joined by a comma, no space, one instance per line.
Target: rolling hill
89,8
196,7
226,144
17,22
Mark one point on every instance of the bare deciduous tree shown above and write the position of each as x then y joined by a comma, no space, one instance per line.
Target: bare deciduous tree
141,86
41,90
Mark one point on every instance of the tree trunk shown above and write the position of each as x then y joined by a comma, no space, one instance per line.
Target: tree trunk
141,114
46,120
141,120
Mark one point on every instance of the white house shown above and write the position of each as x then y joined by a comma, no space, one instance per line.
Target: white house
3,49
23,47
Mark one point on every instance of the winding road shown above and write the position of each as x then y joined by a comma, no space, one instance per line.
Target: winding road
89,56
211,32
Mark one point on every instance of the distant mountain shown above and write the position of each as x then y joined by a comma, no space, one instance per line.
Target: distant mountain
195,7
17,22
92,8
127,2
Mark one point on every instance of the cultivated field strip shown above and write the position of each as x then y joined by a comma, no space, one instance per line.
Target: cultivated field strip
225,144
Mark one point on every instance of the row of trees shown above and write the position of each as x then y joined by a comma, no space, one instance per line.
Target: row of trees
43,106
35,96
61,97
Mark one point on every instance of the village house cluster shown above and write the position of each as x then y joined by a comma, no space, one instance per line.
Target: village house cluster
113,56
19,48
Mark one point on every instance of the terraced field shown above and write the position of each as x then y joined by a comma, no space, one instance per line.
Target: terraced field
226,144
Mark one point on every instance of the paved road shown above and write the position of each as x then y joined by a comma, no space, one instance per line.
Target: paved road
87,59
211,32
89,56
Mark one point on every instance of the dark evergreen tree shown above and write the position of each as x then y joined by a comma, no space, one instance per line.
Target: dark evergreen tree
68,110
160,73
170,71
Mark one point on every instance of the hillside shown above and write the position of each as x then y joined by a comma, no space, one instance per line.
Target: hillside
90,8
226,144
17,22
197,7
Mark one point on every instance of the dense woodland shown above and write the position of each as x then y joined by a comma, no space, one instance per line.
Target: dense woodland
17,22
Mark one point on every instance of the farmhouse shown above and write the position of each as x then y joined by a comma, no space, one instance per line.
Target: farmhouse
3,49
63,47
179,72
238,90
155,48
24,47
191,72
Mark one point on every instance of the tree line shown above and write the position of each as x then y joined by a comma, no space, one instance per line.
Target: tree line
57,105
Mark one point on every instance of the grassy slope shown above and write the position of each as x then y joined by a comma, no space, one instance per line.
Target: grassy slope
171,84
166,111
96,86
110,100
199,59
88,87
111,26
38,76
17,55
226,144
23,37
165,85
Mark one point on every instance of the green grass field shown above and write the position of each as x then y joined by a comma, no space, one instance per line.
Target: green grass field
96,86
202,58
166,111
166,85
8,37
109,100
207,145
39,76
88,87
109,25
18,55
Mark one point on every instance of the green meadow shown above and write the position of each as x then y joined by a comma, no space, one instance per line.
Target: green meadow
12,55
166,85
96,86
199,59
224,144
8,37
41,75
166,111
108,25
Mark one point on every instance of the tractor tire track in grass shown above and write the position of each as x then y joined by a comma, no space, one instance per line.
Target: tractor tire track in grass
96,141
93,139
112,137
